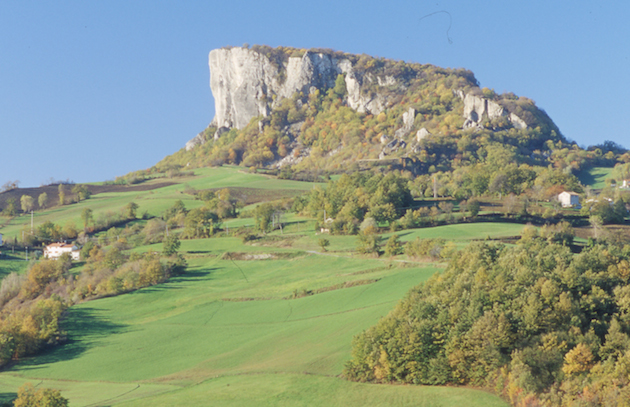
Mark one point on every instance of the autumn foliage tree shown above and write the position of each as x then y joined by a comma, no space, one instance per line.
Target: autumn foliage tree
61,190
27,203
537,323
42,200
29,396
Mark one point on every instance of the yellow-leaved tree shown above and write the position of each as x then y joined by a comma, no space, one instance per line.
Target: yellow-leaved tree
578,360
28,396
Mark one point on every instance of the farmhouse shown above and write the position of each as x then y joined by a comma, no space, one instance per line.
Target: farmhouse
55,250
568,199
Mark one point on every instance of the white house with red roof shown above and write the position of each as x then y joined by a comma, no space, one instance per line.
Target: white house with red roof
55,250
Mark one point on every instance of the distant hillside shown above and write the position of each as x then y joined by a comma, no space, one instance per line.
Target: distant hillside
325,109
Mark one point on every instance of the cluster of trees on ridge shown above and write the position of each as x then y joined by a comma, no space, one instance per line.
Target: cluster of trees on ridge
534,322
27,202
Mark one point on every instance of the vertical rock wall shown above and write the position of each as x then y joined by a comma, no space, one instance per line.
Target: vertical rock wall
246,84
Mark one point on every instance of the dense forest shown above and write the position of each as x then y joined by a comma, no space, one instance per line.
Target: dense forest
534,322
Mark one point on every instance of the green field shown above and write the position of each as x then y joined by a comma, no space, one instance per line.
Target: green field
274,330
156,201
595,177
12,263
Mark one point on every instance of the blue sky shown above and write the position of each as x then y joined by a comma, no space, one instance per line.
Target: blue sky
92,90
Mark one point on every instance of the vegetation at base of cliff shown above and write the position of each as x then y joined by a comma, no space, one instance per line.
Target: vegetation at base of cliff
318,124
536,323
308,135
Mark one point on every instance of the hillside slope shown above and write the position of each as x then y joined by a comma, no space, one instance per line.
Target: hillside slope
324,109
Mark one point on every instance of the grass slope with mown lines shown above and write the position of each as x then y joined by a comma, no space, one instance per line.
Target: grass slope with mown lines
292,390
254,324
184,324
465,231
85,393
181,333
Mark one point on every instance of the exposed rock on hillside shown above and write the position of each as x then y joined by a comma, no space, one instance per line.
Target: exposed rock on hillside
477,109
422,133
324,109
198,140
246,83
407,118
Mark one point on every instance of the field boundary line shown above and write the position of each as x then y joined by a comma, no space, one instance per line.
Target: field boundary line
113,398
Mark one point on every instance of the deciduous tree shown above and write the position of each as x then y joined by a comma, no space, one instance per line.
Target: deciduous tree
87,216
131,210
323,243
170,245
28,396
42,200
393,246
62,194
367,242
10,208
81,191
26,202
263,215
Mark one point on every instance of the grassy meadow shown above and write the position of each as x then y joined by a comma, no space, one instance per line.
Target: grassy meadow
272,326
595,177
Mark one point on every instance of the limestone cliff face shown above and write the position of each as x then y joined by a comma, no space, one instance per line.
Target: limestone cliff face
246,84
240,80
477,108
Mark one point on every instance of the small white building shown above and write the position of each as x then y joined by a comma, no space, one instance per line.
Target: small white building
55,250
625,183
326,227
569,199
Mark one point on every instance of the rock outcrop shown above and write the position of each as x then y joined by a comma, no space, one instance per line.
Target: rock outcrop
246,83
477,109
422,133
240,80
408,118
398,141
360,101
195,141
252,83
